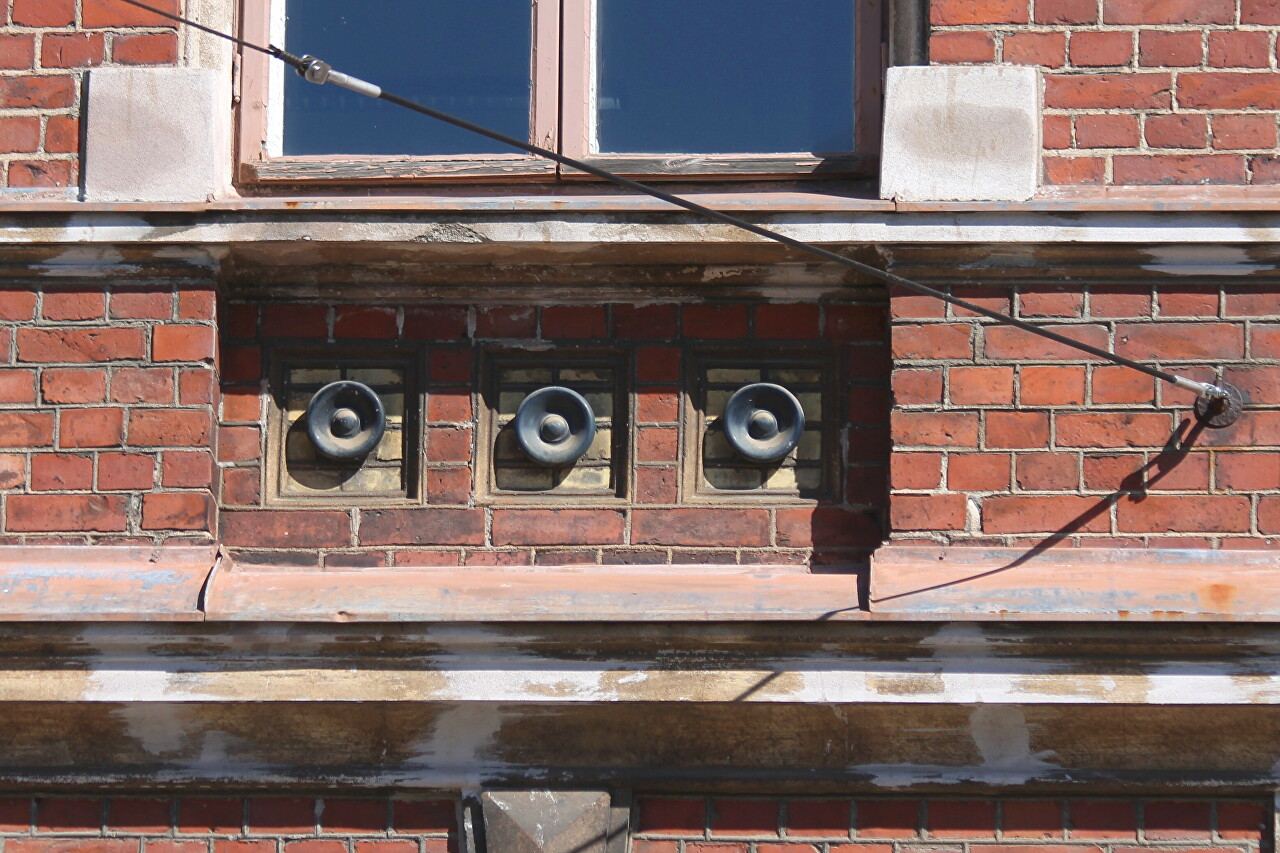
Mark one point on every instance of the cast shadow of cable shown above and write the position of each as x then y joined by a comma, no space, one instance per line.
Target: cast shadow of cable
1133,487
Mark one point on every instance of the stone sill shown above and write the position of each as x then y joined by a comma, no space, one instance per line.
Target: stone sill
908,583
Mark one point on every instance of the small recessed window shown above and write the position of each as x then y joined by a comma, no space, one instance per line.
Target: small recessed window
651,87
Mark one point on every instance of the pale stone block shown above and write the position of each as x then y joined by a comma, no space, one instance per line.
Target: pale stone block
961,133
156,135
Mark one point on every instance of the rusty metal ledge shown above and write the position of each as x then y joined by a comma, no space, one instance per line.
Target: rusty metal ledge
1065,583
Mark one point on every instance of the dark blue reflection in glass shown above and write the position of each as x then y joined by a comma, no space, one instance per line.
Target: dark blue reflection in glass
467,58
729,76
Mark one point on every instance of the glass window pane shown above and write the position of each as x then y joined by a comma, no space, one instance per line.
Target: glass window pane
467,58
724,76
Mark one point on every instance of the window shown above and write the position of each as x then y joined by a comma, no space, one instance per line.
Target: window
649,87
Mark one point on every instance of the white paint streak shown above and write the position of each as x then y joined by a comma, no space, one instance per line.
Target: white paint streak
460,746
1204,261
1003,739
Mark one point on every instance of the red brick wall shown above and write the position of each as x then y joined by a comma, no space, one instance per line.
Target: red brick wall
840,825
106,413
226,824
1136,91
1003,437
651,526
45,46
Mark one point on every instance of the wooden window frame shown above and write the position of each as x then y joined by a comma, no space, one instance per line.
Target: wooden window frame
561,117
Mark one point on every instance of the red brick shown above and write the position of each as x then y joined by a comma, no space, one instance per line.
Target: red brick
145,49
649,845
1179,472
107,13
449,444
506,321
1107,131
1140,170
1051,386
744,817
1121,302
423,816
239,444
1048,472
1056,132
1038,819
241,487
12,474
981,385
182,343
1246,472
141,816
1050,301
406,846
17,305
74,305
185,511
1269,515
1101,48
314,845
1066,12
657,444
653,322
1160,49
31,174
164,845
220,815
917,387
950,48
1113,429
789,322
1113,473
1177,131
574,321
657,364
1006,342
671,816
935,340
818,818
1229,90
360,321
657,485
1185,514
17,385
740,527
557,527
79,346
26,429
935,429
241,405
1168,11
71,845
56,513
1260,12
945,13
56,472
992,298
187,469
90,427
434,323
1116,91
977,472
44,13
120,471
141,304
1239,49
226,846
195,386
1235,132
20,134
287,528
282,815
888,818
168,428
961,819
1241,821
826,527
1044,49
434,526
907,304
39,92
197,304
1188,302
715,321
927,512
241,321
1044,514
1122,385
1074,170
657,405
1264,340
355,817
1017,429
142,385
15,814
72,50
1164,341
449,406
449,485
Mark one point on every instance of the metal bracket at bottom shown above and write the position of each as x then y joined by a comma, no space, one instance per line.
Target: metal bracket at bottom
1220,412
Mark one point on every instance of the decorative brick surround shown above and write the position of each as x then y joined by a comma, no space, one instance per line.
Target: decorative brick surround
839,825
1004,437
1136,91
45,45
